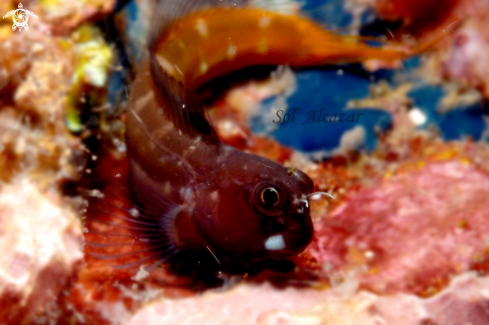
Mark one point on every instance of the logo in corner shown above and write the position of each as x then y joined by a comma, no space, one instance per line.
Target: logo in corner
20,17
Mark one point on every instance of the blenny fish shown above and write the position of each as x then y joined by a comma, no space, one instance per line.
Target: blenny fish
189,190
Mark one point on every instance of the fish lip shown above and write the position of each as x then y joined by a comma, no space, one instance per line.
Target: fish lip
288,252
277,246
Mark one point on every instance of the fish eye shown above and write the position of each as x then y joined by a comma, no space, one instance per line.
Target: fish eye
269,197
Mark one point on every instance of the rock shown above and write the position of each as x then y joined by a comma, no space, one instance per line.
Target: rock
409,232
41,253
463,302
466,58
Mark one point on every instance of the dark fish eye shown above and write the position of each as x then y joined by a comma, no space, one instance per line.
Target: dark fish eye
269,197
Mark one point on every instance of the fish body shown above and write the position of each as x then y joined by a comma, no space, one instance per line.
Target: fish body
211,42
218,198
190,190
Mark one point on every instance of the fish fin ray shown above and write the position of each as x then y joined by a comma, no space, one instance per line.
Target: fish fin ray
161,147
133,242
114,236
180,105
149,258
157,248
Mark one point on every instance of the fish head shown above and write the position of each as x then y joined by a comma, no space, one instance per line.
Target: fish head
255,208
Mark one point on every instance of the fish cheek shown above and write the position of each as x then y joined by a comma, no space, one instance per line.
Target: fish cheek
230,225
298,233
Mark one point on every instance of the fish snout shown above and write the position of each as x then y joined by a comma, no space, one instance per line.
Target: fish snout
293,239
304,180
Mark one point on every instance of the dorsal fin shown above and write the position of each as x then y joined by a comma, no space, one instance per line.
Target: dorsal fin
181,106
167,11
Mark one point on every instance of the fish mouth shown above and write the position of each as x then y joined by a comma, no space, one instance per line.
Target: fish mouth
297,233
294,239
276,247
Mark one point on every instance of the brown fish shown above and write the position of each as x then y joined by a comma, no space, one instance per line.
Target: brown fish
233,203
191,191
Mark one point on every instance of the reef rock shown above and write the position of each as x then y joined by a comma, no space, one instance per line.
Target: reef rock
41,253
463,302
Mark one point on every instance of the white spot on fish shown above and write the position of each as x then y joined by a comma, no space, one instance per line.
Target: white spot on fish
201,27
167,187
165,64
188,194
215,196
264,22
203,67
275,243
143,101
97,193
231,52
